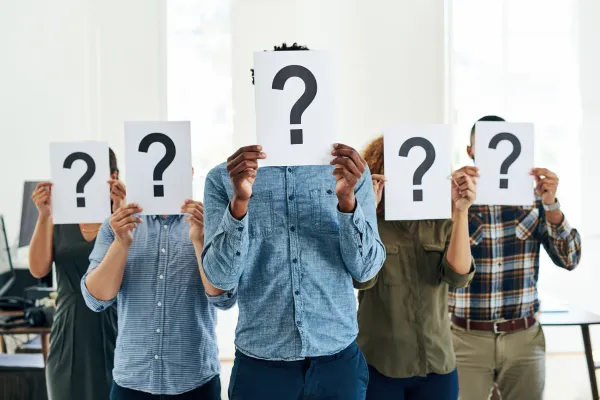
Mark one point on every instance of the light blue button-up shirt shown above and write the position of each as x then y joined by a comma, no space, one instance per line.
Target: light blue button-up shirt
166,342
292,258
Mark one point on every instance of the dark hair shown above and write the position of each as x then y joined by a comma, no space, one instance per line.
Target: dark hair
487,118
283,47
112,161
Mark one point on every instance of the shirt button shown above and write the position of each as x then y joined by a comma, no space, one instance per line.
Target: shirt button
291,197
166,227
295,260
297,292
157,330
159,304
299,323
237,253
289,170
329,191
156,357
162,250
356,221
293,228
240,229
161,276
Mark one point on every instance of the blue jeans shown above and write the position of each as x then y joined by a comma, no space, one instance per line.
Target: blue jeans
341,376
211,390
430,387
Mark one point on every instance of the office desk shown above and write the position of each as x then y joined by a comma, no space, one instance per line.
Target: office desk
576,316
43,331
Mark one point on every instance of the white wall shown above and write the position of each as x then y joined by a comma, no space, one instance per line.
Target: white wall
73,70
389,58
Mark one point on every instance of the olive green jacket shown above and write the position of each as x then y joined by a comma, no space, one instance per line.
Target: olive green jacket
403,320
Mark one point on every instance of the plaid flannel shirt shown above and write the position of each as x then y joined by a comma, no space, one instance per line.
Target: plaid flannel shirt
505,244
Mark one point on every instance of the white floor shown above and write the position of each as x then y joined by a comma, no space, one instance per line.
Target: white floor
566,378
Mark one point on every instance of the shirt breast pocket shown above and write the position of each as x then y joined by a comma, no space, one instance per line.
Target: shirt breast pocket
324,210
260,214
475,230
526,223
392,274
432,262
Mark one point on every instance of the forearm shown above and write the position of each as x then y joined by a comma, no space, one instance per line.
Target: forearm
104,282
459,251
208,287
40,248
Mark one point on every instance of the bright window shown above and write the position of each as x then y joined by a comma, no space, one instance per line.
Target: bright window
517,59
199,90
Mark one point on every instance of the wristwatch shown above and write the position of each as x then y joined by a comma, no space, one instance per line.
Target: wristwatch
552,207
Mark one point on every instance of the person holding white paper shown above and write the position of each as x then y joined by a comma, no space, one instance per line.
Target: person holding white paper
82,343
403,322
291,239
166,344
497,337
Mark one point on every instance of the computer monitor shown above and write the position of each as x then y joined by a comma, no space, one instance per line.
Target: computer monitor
7,271
29,214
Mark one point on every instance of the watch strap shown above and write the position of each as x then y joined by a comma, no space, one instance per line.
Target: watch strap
552,207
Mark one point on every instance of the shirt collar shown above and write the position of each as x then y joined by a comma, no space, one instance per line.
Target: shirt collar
177,216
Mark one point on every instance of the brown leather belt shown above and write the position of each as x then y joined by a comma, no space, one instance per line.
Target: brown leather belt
495,326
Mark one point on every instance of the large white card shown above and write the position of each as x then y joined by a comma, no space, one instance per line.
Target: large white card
80,190
158,159
418,163
295,120
504,154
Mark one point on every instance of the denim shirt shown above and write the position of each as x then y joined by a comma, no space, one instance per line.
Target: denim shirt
166,342
292,258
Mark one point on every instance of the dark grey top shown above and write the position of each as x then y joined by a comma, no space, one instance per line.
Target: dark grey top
82,342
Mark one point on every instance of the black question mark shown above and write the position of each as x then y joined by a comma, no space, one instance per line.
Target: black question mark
425,165
512,157
163,164
85,178
310,92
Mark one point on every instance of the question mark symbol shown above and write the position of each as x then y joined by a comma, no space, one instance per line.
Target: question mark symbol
163,164
425,165
310,92
85,178
512,157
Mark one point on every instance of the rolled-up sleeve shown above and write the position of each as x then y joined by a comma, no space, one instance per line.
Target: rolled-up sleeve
103,241
453,278
225,300
563,244
227,240
362,250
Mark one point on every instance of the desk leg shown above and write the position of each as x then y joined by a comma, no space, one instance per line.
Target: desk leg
587,343
46,346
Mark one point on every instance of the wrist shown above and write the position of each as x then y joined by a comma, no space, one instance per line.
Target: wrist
44,219
459,214
122,243
549,202
238,207
347,204
198,243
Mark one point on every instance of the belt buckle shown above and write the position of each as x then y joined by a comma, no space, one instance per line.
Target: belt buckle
495,326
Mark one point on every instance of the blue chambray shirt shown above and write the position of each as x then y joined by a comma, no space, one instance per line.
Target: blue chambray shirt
292,259
166,342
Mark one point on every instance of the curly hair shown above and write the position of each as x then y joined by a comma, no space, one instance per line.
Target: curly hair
373,155
283,47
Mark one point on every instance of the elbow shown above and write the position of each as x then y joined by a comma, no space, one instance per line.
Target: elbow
38,271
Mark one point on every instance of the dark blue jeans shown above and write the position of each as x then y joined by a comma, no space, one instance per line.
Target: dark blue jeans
430,387
211,390
341,376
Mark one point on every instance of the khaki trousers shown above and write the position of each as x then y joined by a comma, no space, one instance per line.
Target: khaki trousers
514,361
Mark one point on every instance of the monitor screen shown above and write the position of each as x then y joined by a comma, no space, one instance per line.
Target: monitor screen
7,273
29,214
